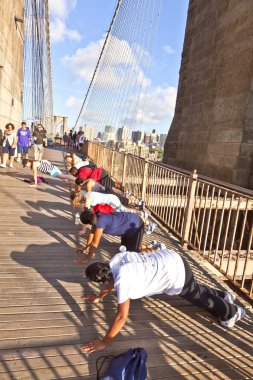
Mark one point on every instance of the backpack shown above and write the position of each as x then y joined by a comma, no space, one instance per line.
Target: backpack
103,208
131,365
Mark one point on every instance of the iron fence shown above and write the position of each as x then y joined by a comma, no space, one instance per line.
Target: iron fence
212,218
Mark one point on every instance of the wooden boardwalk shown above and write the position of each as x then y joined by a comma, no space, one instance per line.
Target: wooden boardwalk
43,320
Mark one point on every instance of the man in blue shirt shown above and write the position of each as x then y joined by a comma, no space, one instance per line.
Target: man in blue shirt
24,137
128,225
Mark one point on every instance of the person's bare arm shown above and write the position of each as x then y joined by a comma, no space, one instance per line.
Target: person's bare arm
97,298
92,245
68,177
118,323
35,173
15,140
89,185
87,201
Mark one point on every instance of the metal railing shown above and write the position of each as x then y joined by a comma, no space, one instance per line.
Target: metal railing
209,216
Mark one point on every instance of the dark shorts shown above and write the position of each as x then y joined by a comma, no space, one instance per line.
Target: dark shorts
133,242
22,149
8,149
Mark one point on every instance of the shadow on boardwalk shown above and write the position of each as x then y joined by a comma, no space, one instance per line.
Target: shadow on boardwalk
43,320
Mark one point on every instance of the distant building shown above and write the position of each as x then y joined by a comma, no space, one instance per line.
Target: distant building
147,138
122,134
109,133
137,136
153,137
162,139
89,132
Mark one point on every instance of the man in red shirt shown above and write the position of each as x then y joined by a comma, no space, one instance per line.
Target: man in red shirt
86,172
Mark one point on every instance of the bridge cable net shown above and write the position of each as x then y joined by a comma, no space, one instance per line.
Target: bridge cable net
37,73
117,90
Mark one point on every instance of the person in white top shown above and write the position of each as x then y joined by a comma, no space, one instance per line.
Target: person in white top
81,140
9,145
135,275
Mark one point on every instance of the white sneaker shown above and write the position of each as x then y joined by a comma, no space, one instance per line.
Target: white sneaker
150,228
11,165
156,245
145,215
232,321
3,166
229,297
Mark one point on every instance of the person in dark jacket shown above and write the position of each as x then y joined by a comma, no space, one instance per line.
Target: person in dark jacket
40,140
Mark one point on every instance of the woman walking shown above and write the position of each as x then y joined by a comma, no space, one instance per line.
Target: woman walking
135,275
9,145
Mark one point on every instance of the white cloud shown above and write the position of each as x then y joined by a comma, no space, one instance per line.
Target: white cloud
159,107
59,12
73,102
168,49
82,64
61,8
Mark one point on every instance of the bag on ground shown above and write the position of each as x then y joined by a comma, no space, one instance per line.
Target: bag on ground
130,365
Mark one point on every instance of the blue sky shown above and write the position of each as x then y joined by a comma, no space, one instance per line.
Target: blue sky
77,31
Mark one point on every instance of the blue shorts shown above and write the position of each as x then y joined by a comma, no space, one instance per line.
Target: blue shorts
8,149
55,172
23,149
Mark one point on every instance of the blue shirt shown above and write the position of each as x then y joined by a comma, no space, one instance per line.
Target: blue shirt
120,223
23,137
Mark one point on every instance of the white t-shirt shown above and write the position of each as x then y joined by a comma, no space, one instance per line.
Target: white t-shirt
81,139
110,199
81,163
138,275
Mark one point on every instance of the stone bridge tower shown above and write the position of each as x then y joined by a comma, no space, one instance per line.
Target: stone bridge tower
11,61
212,129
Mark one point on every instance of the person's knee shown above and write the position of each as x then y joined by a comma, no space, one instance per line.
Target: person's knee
209,303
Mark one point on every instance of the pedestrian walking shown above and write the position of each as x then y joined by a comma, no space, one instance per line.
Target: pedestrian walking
9,145
24,137
40,140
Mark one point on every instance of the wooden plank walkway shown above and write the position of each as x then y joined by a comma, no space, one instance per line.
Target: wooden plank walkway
43,320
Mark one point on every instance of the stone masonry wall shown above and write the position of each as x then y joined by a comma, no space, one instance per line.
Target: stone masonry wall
11,61
212,129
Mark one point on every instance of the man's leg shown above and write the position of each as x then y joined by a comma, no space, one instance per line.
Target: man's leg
133,242
41,150
36,152
206,297
67,177
25,151
19,152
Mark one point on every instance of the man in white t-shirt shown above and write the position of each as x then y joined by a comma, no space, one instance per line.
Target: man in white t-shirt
136,275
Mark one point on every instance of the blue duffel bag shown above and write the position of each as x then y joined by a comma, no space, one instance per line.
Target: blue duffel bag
131,365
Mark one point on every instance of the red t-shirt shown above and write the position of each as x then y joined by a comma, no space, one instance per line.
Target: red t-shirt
88,173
